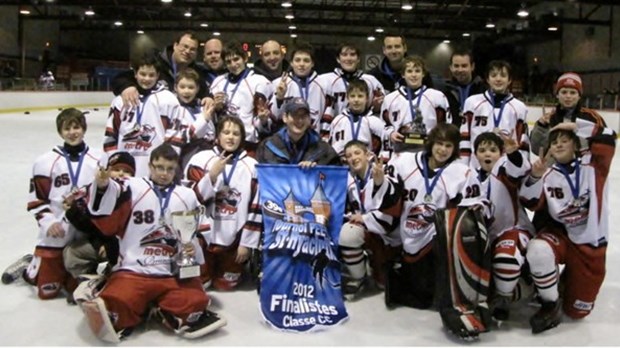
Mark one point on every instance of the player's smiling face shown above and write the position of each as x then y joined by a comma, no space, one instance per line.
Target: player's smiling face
440,153
229,138
302,64
499,80
271,54
186,90
413,75
235,64
487,154
357,100
357,159
562,148
147,76
72,134
348,59
163,171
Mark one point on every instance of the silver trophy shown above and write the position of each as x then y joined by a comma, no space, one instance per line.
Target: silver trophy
185,223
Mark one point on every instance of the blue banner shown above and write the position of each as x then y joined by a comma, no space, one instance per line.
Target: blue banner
302,215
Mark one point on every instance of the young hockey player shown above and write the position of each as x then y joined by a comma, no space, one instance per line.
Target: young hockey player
495,110
574,191
136,211
234,232
83,256
56,176
373,207
356,122
192,129
411,111
302,82
243,93
501,172
337,82
568,90
138,130
434,181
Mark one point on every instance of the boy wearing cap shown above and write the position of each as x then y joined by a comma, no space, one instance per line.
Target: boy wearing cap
297,142
568,89
84,255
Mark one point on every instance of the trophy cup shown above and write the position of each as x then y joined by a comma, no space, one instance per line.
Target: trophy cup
185,224
415,135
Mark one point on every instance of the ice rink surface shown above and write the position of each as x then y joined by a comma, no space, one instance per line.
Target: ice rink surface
26,320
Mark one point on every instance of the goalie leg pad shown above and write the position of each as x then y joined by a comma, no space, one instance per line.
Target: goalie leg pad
99,321
463,259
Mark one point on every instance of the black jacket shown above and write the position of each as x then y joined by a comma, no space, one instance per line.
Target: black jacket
277,150
261,68
452,89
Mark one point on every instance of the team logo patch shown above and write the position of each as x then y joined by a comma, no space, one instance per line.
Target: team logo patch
575,212
226,203
161,237
583,306
420,218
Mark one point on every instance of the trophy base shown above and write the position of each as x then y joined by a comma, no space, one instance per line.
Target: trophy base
189,272
412,142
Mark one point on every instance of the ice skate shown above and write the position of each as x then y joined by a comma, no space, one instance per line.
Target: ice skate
547,317
16,269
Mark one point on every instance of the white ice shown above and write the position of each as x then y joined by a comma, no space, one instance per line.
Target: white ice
26,320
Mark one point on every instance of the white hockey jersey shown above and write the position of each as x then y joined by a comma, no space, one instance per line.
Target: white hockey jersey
336,85
132,211
231,208
501,188
188,124
481,114
51,182
243,93
455,184
367,128
577,195
399,107
313,92
138,130
378,205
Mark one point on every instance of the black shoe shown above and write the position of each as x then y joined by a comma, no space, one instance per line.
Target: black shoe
353,288
547,317
16,269
500,306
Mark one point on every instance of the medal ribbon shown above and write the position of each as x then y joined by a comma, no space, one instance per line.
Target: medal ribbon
430,186
417,104
355,131
234,91
141,109
74,176
228,176
164,199
359,185
497,118
574,187
305,89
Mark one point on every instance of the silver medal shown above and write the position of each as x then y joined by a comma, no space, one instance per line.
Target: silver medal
428,198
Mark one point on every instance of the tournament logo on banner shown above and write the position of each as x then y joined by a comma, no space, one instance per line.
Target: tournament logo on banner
302,216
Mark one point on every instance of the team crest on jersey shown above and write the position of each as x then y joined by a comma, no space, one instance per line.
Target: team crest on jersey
226,203
140,137
161,237
575,212
232,110
420,218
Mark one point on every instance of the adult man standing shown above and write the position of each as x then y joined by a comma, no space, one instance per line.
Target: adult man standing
462,84
271,64
212,59
388,71
172,59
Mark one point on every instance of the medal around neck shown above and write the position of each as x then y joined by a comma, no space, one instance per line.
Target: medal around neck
185,223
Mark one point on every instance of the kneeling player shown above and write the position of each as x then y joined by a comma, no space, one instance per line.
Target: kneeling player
135,211
373,203
433,181
574,191
502,169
